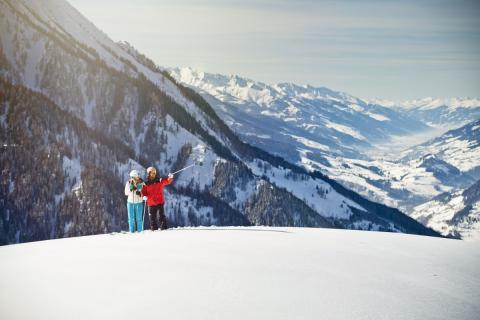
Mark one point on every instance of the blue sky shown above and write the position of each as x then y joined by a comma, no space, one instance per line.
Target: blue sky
387,49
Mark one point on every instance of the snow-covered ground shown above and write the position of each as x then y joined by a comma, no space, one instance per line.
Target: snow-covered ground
455,213
242,273
440,216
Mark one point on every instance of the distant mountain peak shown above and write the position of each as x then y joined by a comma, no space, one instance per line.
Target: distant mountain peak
428,103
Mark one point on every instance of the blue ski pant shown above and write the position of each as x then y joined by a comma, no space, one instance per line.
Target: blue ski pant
135,215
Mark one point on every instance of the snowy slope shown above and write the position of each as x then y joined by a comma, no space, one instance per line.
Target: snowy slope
60,20
242,273
459,148
446,163
456,214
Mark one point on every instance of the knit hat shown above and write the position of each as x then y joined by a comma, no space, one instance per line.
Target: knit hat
134,174
150,169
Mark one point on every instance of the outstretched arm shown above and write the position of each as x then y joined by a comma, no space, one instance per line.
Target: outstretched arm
167,181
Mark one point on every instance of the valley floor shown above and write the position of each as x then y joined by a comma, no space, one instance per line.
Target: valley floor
242,273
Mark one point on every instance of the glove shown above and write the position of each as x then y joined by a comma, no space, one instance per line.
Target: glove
138,193
170,176
133,187
145,198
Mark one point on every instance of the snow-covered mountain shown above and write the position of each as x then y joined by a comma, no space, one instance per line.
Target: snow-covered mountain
242,273
79,111
444,164
301,123
259,113
454,214
454,156
459,148
452,112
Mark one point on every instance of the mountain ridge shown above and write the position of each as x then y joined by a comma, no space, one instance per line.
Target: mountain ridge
168,124
402,182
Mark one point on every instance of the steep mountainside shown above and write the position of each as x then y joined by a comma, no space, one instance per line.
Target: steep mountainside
454,214
105,109
459,148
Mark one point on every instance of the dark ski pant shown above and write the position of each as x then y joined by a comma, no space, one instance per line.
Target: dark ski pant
153,211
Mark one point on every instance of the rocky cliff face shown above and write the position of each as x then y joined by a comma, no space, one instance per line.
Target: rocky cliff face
78,112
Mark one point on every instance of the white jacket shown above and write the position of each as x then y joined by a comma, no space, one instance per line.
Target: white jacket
132,195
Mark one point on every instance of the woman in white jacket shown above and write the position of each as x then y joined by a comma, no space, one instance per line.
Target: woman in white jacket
133,189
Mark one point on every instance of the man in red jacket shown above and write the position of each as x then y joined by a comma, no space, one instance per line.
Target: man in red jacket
153,190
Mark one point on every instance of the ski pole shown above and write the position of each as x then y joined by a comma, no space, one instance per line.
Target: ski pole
131,213
182,169
143,219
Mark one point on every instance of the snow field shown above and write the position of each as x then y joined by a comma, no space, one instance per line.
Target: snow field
240,273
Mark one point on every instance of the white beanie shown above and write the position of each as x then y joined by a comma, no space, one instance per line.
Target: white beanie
151,169
134,174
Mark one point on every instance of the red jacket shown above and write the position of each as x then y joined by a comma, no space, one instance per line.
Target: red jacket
154,191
